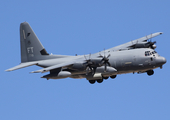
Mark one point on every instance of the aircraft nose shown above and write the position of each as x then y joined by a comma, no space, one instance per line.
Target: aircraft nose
161,60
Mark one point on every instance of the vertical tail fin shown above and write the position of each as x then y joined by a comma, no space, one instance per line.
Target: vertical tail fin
31,47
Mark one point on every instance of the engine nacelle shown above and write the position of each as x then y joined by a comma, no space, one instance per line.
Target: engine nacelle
154,46
109,70
145,45
96,62
61,74
141,45
77,66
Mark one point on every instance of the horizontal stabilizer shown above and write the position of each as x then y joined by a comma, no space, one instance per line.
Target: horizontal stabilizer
22,65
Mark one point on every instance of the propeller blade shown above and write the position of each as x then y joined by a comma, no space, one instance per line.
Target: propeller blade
89,56
151,37
108,64
104,52
85,57
87,70
108,56
90,69
105,67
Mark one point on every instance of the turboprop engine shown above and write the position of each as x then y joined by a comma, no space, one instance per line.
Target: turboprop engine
61,74
108,71
145,45
96,62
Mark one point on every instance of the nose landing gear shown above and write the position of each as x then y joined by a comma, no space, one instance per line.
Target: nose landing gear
150,72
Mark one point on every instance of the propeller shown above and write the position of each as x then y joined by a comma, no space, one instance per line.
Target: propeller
105,60
89,65
150,43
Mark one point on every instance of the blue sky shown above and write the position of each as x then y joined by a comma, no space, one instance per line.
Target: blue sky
82,27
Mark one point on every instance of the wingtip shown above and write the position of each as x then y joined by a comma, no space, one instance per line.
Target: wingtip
8,70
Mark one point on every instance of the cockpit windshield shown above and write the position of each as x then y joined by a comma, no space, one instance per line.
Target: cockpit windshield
148,53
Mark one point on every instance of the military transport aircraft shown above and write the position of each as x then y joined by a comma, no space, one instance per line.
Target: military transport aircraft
137,56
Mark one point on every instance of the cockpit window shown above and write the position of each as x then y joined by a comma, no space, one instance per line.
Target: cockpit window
148,53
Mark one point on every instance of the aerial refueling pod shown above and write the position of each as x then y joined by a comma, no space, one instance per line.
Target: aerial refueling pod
61,74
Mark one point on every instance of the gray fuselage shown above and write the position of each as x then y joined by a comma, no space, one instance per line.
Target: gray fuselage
126,61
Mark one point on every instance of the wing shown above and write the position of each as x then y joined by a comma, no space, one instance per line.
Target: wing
61,65
22,65
132,43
